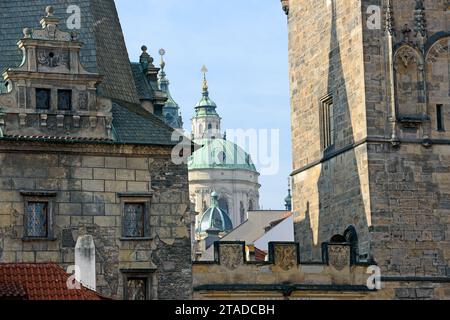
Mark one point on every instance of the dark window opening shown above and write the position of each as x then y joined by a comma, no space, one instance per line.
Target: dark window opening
65,100
223,204
37,220
134,220
137,289
440,117
250,205
328,129
242,212
43,97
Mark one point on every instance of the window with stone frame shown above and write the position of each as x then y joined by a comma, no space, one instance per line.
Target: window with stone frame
138,284
327,125
137,289
135,220
43,99
38,215
65,100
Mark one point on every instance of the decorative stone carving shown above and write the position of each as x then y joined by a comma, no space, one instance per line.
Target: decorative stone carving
338,256
44,118
60,121
410,84
52,59
83,100
420,23
76,121
285,256
93,122
438,48
390,22
22,119
231,256
285,6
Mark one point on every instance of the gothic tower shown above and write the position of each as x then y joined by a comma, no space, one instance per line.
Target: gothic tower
370,110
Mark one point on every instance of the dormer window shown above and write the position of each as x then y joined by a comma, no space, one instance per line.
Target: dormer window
43,97
65,100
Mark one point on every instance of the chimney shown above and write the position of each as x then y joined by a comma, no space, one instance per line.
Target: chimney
85,261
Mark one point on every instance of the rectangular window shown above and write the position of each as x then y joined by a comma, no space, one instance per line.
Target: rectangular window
65,100
134,220
440,117
37,219
137,289
43,97
328,129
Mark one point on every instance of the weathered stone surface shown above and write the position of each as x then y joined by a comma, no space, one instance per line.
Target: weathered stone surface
383,175
87,203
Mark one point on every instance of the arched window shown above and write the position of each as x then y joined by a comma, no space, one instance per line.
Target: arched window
351,236
209,126
250,205
223,204
242,212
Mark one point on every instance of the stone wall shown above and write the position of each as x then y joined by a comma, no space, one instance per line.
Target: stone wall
387,174
230,276
91,182
330,187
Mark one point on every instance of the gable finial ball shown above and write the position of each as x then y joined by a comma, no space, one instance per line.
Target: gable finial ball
144,48
49,10
27,32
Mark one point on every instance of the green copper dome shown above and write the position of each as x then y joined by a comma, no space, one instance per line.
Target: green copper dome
220,154
215,218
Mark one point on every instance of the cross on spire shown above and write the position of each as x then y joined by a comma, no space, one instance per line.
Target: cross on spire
205,82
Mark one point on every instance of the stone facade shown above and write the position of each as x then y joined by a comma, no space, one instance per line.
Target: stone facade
89,185
385,173
93,166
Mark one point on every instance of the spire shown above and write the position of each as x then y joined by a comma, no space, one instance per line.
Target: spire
171,110
205,82
288,199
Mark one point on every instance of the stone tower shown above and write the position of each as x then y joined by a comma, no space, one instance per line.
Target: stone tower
370,117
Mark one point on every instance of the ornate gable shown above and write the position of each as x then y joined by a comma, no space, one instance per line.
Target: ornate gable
50,93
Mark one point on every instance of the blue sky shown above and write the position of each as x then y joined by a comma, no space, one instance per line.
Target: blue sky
244,45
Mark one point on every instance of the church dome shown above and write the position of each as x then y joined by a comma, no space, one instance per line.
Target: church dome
220,154
215,218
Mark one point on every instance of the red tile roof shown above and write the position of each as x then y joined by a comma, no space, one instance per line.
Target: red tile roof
39,281
12,290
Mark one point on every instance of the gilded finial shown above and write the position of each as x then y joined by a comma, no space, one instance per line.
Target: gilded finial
162,53
205,82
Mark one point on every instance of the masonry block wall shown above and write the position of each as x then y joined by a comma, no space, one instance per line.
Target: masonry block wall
330,185
89,184
387,172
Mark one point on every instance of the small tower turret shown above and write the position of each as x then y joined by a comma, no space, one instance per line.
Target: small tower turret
171,110
206,122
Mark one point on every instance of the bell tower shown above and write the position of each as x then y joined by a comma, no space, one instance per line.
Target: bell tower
206,121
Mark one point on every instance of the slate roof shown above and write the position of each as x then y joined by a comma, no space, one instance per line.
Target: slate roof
144,90
39,281
104,52
104,48
132,124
